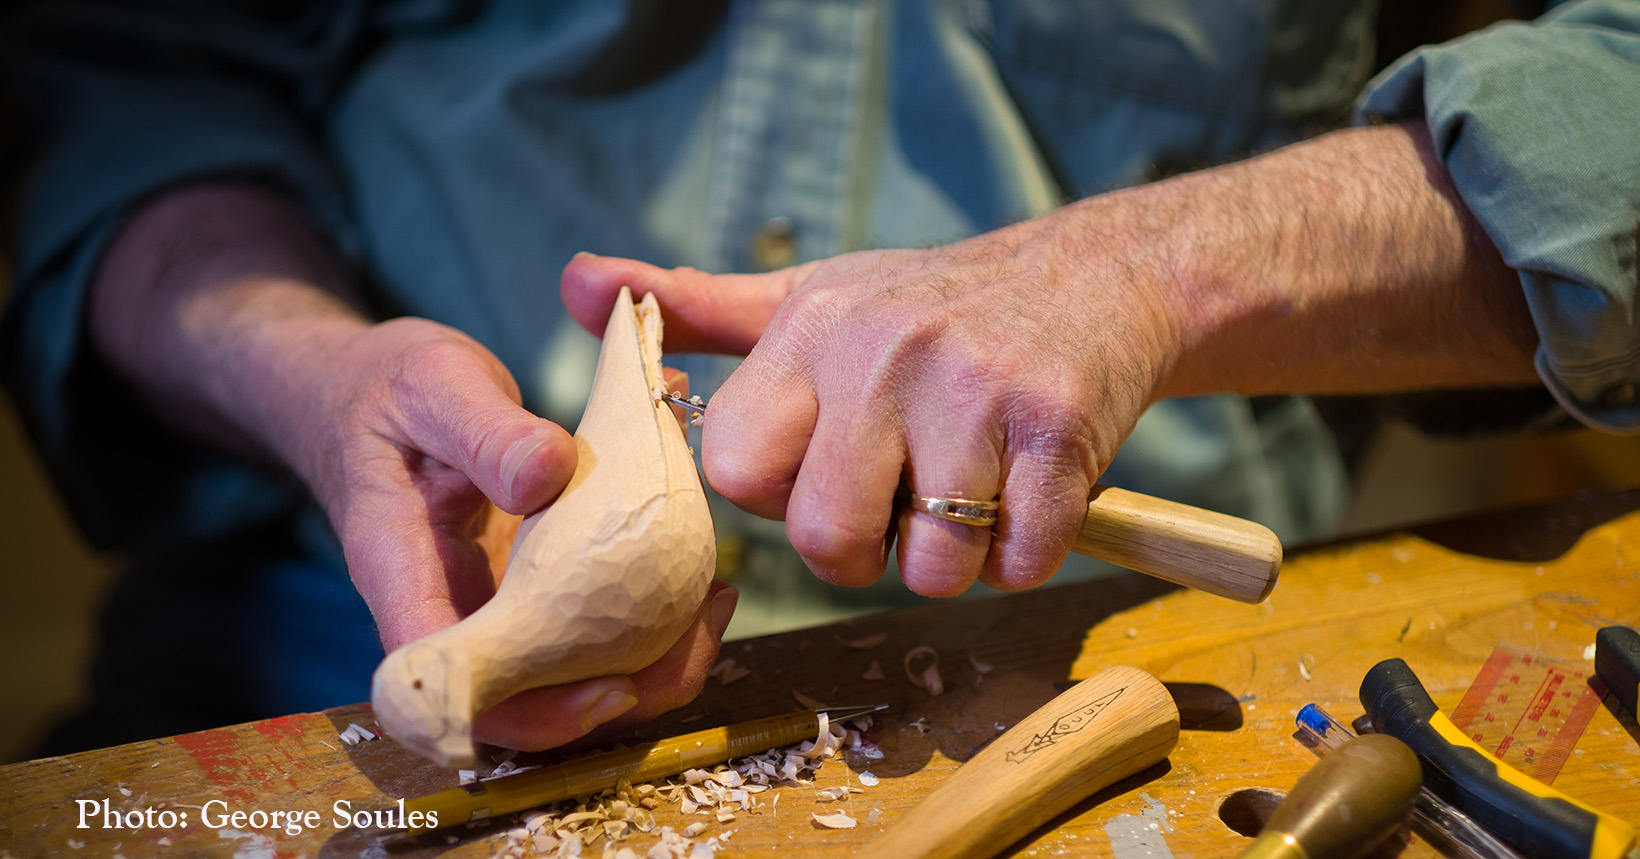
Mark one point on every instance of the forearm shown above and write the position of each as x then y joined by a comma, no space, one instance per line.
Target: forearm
1345,264
220,304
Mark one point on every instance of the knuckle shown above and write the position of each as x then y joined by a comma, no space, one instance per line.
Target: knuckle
831,543
738,476
817,303
936,574
1054,431
1021,568
1035,537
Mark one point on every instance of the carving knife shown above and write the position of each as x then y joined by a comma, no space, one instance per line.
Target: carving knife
1110,726
1202,549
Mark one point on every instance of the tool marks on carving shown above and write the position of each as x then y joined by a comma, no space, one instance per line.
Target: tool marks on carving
1067,724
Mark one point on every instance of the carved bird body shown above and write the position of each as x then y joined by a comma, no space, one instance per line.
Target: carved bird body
602,581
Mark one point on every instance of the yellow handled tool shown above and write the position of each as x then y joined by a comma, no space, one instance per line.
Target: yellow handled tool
594,773
1529,816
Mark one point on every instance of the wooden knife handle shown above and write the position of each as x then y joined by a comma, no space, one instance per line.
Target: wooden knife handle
1185,545
1104,729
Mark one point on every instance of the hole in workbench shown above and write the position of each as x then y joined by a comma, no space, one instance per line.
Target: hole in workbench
1246,811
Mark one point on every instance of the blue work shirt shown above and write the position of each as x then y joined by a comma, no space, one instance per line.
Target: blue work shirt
456,154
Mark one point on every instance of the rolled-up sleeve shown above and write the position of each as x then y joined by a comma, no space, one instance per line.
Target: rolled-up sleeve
1539,125
113,103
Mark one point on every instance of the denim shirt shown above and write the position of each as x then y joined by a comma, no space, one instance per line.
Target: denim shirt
453,155
1537,123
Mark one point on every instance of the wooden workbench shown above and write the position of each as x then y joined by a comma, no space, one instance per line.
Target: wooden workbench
1441,597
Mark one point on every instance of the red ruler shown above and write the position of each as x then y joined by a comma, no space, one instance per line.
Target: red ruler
1529,709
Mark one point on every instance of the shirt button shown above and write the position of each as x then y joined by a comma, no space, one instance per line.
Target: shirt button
1620,396
774,246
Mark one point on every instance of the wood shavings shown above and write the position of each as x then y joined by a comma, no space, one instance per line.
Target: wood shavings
835,820
581,817
826,743
875,672
822,737
921,725
808,702
866,643
356,733
467,776
728,672
981,667
696,418
928,678
869,751
834,794
608,825
868,778
1306,662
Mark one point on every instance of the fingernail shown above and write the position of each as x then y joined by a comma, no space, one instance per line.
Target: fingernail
723,608
581,254
608,706
514,460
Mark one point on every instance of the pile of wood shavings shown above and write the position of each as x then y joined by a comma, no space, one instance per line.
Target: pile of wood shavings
609,825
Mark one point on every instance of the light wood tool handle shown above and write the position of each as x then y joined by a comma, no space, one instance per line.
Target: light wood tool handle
1185,545
1102,730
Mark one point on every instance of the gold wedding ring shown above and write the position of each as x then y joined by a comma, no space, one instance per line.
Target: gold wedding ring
980,514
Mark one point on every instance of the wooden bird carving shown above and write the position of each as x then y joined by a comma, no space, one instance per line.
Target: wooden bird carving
602,581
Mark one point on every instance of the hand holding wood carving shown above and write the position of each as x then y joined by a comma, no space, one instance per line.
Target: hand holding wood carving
948,369
222,308
602,582
1016,362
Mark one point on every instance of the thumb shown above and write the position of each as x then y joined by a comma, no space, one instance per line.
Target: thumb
519,461
702,312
